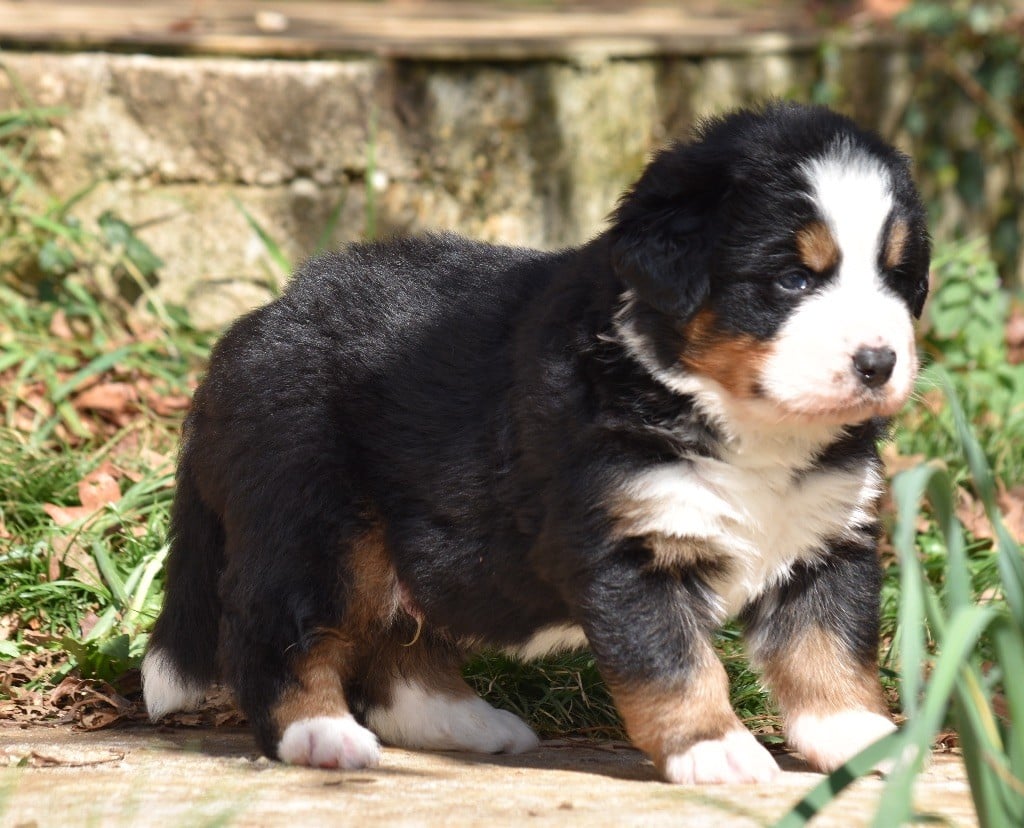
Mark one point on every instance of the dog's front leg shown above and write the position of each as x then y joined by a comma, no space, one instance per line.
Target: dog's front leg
650,632
816,639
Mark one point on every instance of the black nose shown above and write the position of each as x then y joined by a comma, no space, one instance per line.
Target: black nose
874,365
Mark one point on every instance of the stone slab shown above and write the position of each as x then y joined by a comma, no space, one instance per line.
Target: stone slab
147,775
433,30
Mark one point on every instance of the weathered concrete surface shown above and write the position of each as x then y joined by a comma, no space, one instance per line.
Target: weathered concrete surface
519,127
531,153
148,776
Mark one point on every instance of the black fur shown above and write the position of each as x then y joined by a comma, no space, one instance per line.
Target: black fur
476,401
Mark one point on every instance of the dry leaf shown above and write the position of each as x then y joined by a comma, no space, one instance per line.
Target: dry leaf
107,397
895,462
59,326
1015,336
157,461
8,626
98,488
971,513
65,515
77,559
87,622
1011,504
167,405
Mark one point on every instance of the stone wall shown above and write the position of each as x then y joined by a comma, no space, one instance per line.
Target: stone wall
530,152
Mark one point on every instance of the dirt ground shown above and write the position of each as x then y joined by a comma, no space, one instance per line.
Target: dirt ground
146,775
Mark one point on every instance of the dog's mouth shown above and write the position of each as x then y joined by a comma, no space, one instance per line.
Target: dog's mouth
841,408
835,407
842,413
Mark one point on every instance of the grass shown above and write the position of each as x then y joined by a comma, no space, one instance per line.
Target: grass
93,392
87,477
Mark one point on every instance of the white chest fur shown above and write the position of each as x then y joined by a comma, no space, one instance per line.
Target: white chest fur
761,518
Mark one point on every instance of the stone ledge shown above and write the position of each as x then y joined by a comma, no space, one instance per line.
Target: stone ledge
532,153
444,31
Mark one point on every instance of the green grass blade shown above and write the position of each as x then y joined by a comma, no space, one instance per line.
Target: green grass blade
277,255
111,575
961,635
1011,563
818,797
324,240
144,590
93,368
908,489
959,589
1008,644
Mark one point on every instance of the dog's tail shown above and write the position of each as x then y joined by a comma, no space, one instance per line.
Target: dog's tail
181,660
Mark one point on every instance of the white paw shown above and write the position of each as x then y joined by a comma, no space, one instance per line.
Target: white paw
734,758
165,689
329,742
430,720
828,741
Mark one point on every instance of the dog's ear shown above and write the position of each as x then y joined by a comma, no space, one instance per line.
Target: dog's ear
663,229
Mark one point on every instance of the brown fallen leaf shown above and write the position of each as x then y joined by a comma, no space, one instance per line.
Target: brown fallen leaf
895,462
1011,504
1015,335
98,488
59,326
36,759
87,622
65,515
76,558
107,398
971,513
167,405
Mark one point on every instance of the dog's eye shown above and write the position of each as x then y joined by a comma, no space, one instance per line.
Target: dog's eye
796,281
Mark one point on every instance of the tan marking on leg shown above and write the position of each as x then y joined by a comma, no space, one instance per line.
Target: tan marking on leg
337,654
393,639
733,360
817,247
663,721
817,675
375,597
896,243
319,691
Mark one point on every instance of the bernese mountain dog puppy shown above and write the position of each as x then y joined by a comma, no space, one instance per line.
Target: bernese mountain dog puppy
430,445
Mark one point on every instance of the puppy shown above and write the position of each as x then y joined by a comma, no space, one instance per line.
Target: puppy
431,445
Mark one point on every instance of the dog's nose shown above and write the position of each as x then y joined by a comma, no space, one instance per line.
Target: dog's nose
874,365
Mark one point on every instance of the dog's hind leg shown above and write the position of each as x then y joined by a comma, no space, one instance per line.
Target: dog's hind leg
416,698
313,717
292,630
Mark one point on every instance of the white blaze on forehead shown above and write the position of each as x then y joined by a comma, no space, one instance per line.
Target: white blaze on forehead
853,193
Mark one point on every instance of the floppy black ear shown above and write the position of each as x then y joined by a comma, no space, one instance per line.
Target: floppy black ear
663,230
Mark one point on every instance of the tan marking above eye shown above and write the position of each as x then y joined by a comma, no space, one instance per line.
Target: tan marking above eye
817,247
895,244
